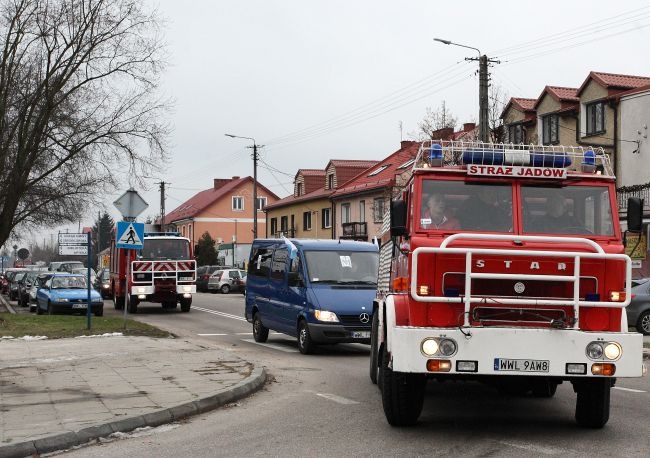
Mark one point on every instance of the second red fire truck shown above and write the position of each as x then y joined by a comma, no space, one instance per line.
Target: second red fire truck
505,265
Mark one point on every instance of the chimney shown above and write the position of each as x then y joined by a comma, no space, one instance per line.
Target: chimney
469,126
219,182
406,143
235,178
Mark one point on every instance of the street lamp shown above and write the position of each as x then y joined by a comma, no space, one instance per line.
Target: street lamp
482,88
255,146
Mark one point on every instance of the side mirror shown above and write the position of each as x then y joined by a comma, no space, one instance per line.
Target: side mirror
634,214
397,218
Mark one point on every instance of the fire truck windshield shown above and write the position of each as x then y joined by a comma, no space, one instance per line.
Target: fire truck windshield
456,205
157,249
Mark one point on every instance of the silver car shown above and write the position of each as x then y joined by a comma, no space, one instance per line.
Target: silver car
226,280
638,312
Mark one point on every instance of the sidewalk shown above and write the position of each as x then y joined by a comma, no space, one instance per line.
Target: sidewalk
55,394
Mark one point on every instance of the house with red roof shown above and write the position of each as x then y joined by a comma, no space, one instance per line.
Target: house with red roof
360,204
557,109
225,211
307,213
520,120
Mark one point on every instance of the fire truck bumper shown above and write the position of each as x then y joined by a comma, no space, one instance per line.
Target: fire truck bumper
186,289
517,352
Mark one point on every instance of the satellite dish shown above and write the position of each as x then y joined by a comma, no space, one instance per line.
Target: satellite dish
23,253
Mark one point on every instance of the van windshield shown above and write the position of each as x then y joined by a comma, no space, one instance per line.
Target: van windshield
342,267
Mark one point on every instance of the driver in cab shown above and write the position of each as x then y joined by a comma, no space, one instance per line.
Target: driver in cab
558,219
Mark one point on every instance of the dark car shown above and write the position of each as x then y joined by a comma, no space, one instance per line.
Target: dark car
4,284
203,275
638,312
14,284
102,283
67,293
25,285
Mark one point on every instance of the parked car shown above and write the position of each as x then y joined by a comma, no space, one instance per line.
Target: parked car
223,280
203,275
4,284
84,271
14,284
241,284
67,293
25,285
69,266
39,282
8,278
638,312
103,283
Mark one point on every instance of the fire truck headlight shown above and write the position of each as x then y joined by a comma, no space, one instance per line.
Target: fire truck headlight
447,347
613,351
429,347
595,350
324,315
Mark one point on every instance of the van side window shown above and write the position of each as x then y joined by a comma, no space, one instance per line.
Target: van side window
295,274
279,265
260,262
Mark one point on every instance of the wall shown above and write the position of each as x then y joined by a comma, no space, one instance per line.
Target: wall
634,117
297,209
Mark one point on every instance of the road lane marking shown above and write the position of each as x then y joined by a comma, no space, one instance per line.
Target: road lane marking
274,347
631,390
338,399
215,312
212,334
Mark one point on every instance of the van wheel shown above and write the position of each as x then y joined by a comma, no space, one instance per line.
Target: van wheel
260,332
373,347
225,289
305,344
643,323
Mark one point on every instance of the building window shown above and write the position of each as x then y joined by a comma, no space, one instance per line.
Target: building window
237,203
298,189
330,181
274,225
595,118
284,224
345,213
362,211
516,133
326,217
306,221
550,126
378,210
261,203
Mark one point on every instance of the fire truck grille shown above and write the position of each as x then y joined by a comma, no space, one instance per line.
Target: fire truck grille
512,315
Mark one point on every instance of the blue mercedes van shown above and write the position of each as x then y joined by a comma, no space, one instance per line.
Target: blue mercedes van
319,291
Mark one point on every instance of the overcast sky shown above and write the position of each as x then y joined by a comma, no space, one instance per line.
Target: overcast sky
334,79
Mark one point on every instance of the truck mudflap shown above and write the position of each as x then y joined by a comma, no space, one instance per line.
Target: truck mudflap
513,351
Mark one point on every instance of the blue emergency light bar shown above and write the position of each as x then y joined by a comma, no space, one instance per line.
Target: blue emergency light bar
516,157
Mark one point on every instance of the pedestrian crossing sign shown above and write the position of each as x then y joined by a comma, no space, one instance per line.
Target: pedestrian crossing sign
129,235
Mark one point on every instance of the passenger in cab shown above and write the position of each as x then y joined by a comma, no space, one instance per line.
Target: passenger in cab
484,212
434,215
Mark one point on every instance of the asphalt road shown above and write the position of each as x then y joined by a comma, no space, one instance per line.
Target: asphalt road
325,405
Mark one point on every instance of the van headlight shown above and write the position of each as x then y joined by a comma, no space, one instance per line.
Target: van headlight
324,315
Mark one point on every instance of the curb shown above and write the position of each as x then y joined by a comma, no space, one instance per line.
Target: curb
7,304
69,439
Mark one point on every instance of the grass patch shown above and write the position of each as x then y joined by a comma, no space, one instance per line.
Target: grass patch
61,326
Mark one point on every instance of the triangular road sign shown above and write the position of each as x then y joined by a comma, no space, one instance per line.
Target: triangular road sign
129,235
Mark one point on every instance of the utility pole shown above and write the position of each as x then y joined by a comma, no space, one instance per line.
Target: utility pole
483,83
162,206
254,147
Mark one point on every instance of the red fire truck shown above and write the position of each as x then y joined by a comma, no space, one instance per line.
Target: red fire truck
505,264
163,271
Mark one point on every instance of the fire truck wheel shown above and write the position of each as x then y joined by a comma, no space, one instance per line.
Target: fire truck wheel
643,323
592,405
544,388
305,344
402,394
260,332
118,302
186,303
374,366
132,305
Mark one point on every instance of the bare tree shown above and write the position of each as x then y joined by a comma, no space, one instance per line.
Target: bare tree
78,105
498,100
434,121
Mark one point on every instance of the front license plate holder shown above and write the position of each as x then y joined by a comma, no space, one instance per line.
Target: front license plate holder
520,365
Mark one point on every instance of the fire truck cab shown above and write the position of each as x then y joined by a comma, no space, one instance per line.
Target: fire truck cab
163,271
505,264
